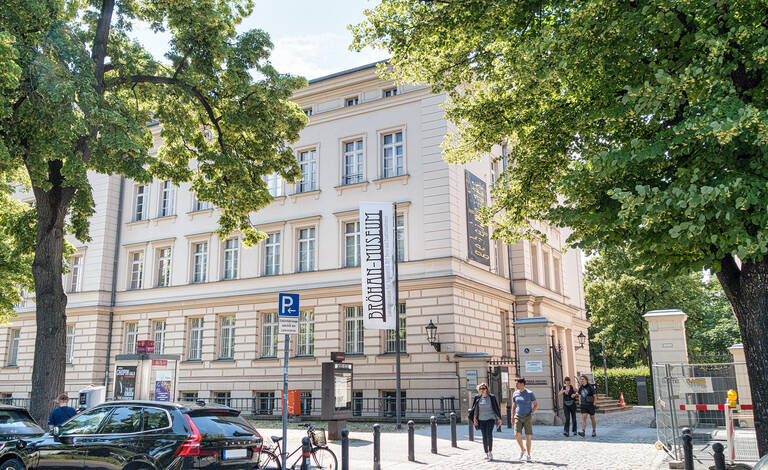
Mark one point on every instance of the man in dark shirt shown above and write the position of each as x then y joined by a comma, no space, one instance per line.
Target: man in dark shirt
62,413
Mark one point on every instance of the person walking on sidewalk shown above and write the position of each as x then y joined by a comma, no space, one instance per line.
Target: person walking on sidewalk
570,394
485,413
587,392
524,406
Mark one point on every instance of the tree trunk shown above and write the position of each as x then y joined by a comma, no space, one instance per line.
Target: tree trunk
644,353
747,290
49,368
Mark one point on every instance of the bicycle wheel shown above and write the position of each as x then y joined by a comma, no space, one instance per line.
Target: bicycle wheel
323,458
269,460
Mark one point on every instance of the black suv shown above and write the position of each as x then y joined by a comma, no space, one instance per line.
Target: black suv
141,435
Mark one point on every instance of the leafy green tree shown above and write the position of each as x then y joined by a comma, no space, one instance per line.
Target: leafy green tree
76,99
641,120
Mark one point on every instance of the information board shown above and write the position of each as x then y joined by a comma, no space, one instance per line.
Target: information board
478,238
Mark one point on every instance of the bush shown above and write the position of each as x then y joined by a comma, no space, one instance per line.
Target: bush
622,380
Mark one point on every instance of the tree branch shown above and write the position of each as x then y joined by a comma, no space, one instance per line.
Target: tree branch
100,40
181,65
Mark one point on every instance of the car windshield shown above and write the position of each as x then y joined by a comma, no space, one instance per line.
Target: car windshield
17,423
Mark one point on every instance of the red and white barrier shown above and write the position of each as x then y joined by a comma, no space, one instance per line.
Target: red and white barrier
712,407
729,431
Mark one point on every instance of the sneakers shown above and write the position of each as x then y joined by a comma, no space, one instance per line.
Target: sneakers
528,458
581,433
594,434
522,454
490,456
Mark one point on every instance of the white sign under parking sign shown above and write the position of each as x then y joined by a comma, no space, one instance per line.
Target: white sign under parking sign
695,384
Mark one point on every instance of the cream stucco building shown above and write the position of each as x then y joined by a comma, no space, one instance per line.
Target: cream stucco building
155,270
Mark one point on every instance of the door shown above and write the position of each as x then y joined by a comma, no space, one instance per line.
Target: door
557,377
118,439
67,451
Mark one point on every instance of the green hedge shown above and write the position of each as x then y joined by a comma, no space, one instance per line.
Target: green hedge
622,380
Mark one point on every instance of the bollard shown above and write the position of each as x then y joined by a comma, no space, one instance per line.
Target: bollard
345,449
453,430
687,448
509,415
411,452
433,432
306,449
719,456
471,430
376,447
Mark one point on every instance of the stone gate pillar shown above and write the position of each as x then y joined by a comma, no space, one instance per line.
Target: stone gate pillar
742,380
533,339
668,344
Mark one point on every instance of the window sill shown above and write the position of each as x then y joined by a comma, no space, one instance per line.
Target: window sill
268,358
314,194
224,359
391,179
192,361
391,354
303,358
279,199
10,367
137,223
362,185
165,217
354,355
204,211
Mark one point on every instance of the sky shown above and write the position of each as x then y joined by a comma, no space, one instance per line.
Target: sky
310,36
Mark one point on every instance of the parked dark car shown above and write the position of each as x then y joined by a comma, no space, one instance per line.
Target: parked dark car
140,435
17,423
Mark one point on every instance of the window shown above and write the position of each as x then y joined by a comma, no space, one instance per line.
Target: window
137,269
123,420
352,101
158,334
269,335
201,205
168,199
140,203
231,258
227,337
189,396
353,162
558,279
545,268
222,398
155,418
13,347
392,150
306,250
265,402
306,333
308,165
195,350
87,422
75,266
535,263
351,244
391,333
274,184
389,92
353,330
200,269
131,335
164,267
400,230
307,111
305,399
272,254
70,343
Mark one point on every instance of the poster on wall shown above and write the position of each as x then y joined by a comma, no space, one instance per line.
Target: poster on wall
377,265
534,366
471,380
478,237
125,382
163,379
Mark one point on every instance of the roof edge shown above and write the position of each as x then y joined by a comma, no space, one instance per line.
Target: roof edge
346,72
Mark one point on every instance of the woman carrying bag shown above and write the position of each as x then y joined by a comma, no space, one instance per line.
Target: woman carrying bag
570,394
485,413
587,393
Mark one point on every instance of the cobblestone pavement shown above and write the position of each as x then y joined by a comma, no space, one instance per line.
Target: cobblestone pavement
619,446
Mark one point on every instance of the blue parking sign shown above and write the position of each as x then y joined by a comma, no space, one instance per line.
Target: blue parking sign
289,305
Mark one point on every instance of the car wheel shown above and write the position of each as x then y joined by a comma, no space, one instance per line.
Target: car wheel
12,464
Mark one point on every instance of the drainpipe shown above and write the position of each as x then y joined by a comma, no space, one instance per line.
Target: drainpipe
114,282
511,282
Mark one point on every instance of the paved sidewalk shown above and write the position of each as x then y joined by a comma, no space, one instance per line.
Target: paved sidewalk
619,446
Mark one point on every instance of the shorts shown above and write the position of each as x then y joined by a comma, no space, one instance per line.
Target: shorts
588,409
524,421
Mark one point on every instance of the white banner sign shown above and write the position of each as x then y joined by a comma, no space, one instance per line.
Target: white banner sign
377,265
695,384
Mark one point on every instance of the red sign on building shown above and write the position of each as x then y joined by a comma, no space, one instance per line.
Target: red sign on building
145,346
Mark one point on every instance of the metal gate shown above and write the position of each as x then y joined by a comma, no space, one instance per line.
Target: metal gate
699,384
557,376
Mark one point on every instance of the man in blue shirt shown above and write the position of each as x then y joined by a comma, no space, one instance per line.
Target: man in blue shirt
524,405
62,413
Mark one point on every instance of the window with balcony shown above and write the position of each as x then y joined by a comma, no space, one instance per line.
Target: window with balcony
308,165
353,162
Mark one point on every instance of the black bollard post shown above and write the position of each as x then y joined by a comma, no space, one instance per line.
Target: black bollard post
411,452
453,430
471,430
719,456
376,447
345,449
687,448
509,415
306,449
433,432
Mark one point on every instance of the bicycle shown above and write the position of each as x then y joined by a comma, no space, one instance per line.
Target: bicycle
321,457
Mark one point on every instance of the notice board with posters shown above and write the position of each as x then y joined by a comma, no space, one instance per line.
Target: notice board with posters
478,237
125,382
